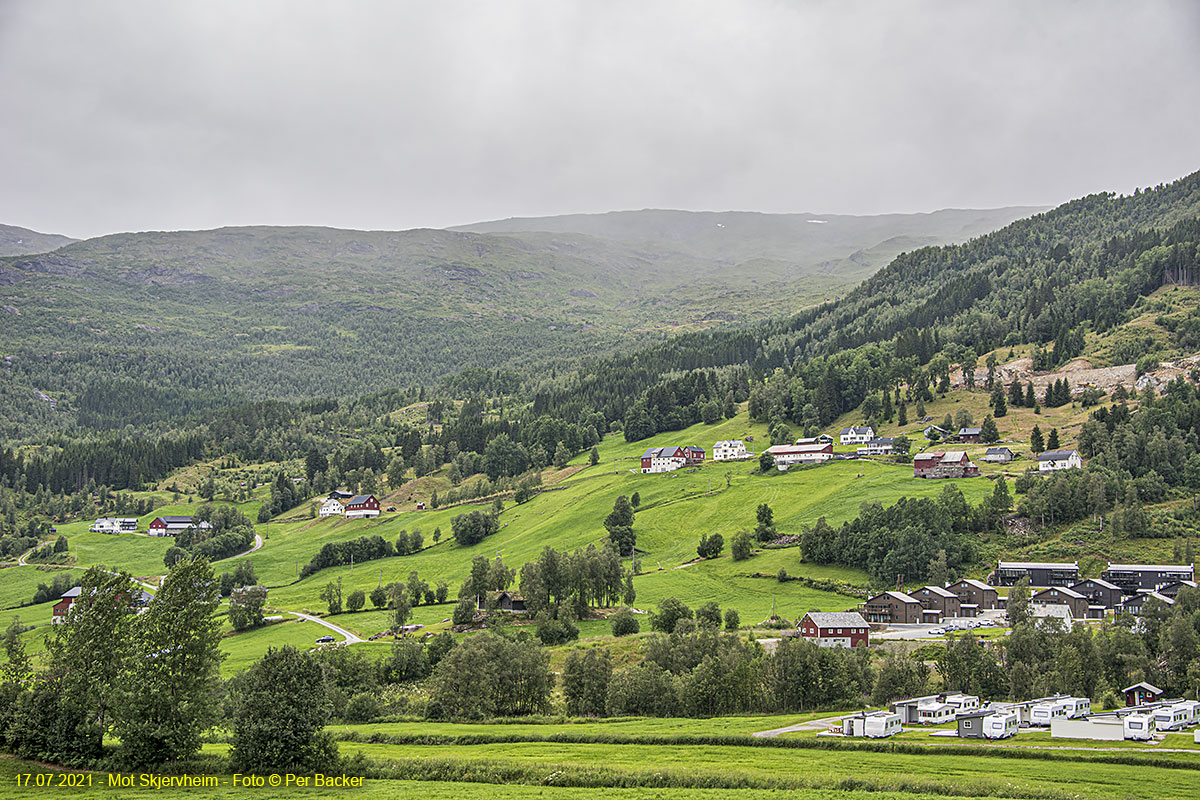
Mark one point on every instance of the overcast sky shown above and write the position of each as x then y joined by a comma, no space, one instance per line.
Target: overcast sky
152,115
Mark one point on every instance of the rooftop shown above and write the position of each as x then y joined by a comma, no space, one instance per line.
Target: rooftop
1056,455
1037,565
1150,568
837,619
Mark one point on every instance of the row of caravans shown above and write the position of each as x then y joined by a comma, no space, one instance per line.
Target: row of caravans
1042,714
1138,723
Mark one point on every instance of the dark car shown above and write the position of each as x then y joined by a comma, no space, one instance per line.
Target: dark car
325,639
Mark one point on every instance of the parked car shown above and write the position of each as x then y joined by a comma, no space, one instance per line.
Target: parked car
326,639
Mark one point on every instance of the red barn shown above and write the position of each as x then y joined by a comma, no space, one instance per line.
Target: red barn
836,628
362,505
64,605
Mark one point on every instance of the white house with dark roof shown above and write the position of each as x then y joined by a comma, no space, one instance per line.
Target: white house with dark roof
859,434
332,507
879,446
732,450
1056,460
998,455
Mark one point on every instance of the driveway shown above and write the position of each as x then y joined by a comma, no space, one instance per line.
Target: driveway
258,542
347,635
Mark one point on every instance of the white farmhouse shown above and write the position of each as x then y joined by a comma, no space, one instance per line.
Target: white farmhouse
857,435
332,507
1055,460
732,450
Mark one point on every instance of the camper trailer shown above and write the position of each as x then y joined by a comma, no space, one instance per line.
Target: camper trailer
1042,714
963,703
872,724
1174,717
935,713
1139,726
1077,707
1001,724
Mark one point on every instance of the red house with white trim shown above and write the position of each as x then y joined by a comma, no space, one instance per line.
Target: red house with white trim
362,505
836,628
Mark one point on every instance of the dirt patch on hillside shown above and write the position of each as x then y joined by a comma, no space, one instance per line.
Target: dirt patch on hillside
1082,375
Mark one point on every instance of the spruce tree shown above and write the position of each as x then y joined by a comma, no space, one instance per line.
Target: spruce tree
1036,444
999,405
1016,396
988,431
1052,442
902,418
1030,397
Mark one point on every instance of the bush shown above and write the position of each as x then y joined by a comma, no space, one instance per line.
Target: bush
709,615
281,707
356,600
464,612
670,611
742,547
556,631
733,620
624,623
363,707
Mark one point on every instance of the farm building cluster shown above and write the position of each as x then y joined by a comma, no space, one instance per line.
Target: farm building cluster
341,503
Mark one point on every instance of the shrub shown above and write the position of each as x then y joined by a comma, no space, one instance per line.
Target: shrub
742,547
624,622
732,620
670,610
363,707
557,631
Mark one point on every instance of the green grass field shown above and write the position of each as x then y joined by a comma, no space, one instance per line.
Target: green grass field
427,790
243,649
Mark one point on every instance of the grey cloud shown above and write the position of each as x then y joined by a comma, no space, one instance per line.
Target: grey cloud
150,115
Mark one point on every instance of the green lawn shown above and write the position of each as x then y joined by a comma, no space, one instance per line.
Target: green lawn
925,773
10,768
17,584
243,649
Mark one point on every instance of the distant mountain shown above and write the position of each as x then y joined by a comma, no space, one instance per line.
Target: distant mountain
16,241
785,245
179,321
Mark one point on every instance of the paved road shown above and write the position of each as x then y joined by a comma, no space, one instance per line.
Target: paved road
349,637
812,725
258,542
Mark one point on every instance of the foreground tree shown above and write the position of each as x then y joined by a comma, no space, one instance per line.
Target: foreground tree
280,707
171,690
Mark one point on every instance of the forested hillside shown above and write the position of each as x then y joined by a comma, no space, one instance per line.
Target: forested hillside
1045,280
147,328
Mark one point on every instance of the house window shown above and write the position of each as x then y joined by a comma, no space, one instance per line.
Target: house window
839,630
